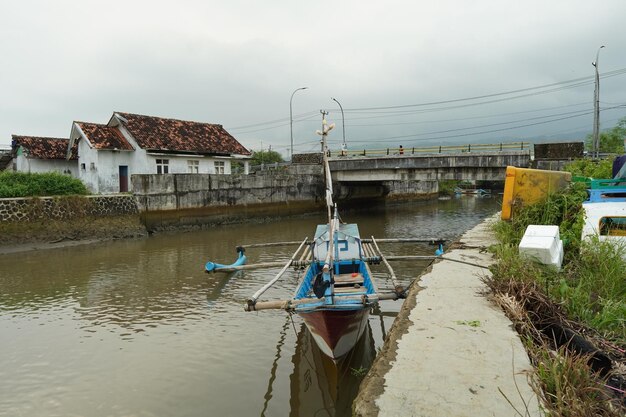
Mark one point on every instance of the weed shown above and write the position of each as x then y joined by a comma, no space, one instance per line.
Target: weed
358,372
568,387
587,297
471,323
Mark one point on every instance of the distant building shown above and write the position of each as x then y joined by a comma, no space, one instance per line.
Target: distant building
35,154
135,144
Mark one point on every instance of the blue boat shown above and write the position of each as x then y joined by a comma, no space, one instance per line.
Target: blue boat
337,291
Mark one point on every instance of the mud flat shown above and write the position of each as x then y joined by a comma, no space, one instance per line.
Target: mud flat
451,352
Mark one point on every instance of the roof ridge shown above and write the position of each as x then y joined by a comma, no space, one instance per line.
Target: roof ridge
166,118
91,123
38,137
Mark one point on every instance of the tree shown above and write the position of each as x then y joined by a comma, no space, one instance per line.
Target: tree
612,140
266,157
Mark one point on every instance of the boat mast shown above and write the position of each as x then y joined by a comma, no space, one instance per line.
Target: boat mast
330,205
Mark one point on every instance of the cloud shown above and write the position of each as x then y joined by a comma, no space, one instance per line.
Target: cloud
237,64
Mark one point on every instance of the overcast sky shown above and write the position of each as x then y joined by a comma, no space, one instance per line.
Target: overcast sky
237,63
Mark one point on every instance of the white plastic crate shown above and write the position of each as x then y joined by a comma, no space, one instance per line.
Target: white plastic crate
542,244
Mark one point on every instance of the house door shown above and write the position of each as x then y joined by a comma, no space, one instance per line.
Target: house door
123,178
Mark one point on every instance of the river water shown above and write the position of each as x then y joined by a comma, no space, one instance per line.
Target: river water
136,328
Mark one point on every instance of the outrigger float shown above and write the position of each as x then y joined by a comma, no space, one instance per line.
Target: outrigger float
337,290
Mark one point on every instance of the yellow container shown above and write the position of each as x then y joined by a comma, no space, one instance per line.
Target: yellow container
526,186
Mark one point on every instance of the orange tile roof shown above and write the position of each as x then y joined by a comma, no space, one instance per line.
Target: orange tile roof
44,148
104,136
157,133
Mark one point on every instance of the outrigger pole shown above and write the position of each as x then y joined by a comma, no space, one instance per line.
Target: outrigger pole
252,300
399,289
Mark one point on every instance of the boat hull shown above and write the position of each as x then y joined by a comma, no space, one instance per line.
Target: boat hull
336,331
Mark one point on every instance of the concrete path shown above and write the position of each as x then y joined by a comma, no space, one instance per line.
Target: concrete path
452,352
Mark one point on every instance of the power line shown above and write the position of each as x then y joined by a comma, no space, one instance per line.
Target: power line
575,81
474,133
378,113
470,118
482,132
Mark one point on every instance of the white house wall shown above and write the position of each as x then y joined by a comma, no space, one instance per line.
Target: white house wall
179,164
33,165
108,170
86,157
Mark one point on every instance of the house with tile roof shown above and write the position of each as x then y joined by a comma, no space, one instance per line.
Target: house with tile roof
136,144
42,154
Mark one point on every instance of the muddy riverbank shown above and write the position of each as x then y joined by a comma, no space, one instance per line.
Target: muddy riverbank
39,234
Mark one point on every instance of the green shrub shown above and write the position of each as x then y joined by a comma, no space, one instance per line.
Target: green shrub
19,184
602,169
446,187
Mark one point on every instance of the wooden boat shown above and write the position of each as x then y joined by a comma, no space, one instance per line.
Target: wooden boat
337,290
334,298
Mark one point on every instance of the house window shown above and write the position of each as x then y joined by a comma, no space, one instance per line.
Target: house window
82,166
219,167
193,166
163,166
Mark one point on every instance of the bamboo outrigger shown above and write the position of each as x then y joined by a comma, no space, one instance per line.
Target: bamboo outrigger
337,289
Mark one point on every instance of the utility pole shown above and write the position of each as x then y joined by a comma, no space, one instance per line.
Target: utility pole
596,108
324,113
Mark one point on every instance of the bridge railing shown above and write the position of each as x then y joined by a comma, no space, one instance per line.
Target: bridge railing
482,147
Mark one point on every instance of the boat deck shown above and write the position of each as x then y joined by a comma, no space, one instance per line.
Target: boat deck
349,284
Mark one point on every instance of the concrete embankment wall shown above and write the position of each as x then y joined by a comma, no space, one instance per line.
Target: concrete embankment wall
178,200
174,200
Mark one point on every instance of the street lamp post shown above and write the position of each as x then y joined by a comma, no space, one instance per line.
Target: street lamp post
291,117
596,108
343,123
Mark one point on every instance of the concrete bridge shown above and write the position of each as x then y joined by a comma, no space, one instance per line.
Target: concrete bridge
483,166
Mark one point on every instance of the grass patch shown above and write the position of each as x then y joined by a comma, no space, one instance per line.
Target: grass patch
20,184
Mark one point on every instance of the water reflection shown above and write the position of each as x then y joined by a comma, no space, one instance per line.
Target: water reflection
319,385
